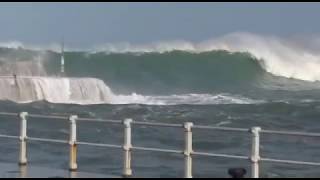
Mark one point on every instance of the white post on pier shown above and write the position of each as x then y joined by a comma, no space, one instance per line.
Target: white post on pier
255,152
23,139
188,150
73,143
127,171
62,60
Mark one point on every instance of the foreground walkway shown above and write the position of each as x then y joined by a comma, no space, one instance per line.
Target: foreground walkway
8,170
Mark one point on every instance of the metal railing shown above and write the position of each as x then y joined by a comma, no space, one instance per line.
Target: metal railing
127,146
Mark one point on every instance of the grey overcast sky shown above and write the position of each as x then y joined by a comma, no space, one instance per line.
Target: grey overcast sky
86,24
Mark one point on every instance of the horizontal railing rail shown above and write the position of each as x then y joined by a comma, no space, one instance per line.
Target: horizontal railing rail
127,146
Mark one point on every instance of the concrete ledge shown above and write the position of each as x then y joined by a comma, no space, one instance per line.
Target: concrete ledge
9,170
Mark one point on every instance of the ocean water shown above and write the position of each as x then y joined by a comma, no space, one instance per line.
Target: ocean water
239,80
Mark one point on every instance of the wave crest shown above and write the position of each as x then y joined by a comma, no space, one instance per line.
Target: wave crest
277,56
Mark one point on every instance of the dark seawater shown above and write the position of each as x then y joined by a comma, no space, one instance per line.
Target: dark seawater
216,88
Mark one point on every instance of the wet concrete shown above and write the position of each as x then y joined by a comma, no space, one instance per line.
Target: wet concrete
8,170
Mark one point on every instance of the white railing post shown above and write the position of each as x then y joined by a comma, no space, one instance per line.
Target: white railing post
73,143
188,150
127,171
23,138
255,152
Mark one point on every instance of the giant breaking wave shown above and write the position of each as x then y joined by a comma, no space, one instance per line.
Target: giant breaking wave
177,72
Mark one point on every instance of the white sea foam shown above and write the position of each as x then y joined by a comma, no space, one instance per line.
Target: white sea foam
94,91
196,99
55,90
